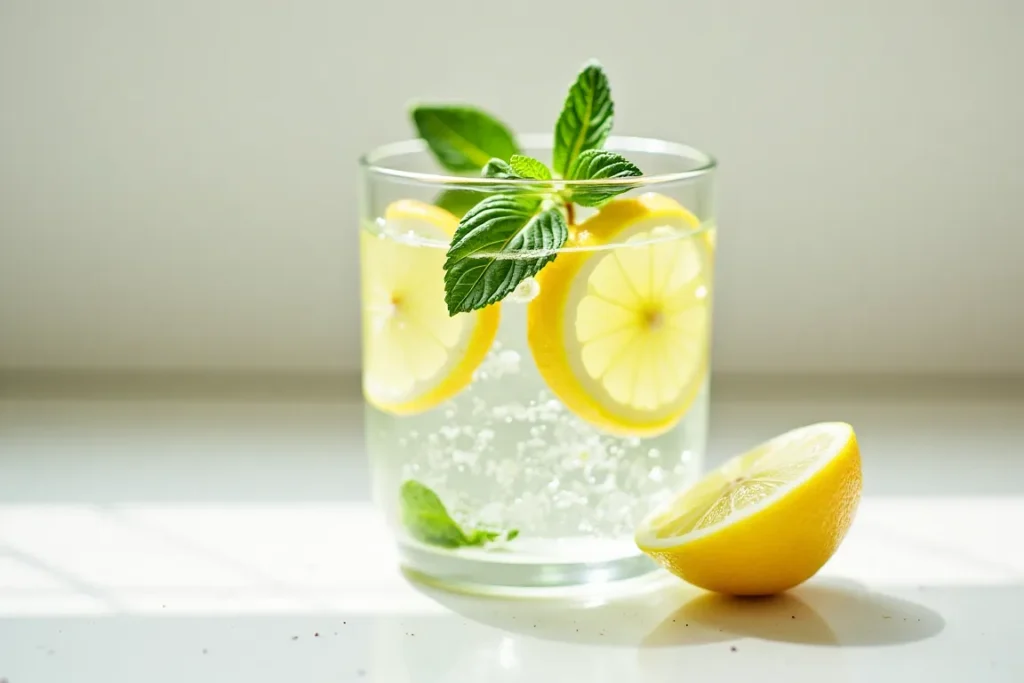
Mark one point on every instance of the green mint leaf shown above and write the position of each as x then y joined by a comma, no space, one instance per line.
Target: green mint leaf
463,138
502,241
598,164
427,520
480,537
586,118
458,202
512,535
528,167
496,168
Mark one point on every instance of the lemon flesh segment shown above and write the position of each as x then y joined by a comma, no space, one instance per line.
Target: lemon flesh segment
764,521
415,355
620,328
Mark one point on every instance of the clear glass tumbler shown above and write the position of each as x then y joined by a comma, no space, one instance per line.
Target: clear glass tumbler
517,446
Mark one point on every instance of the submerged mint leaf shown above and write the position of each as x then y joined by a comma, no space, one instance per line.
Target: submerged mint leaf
463,138
502,241
458,202
427,520
586,118
598,164
528,167
480,537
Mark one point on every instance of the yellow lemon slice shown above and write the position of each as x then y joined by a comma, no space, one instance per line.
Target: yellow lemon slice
766,520
415,355
620,328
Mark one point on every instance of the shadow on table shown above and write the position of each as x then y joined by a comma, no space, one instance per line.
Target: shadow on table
663,612
837,614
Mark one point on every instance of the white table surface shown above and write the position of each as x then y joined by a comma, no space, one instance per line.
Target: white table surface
150,536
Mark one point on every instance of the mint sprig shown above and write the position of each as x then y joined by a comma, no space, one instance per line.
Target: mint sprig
463,138
516,229
503,240
528,167
586,118
496,168
519,167
427,520
599,164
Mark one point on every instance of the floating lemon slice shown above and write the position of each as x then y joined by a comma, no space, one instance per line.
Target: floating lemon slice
415,355
620,328
766,520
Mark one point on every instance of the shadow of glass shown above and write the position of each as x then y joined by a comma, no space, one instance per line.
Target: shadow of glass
619,616
660,612
837,614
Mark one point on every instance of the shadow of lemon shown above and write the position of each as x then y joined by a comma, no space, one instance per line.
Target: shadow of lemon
825,613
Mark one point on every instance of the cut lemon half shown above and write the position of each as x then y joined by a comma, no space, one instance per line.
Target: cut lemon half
620,328
416,355
766,520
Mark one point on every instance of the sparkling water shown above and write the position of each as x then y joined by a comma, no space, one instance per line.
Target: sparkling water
505,454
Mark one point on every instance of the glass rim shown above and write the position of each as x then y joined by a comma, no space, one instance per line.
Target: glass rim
371,163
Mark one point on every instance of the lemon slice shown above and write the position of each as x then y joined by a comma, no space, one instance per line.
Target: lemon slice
620,328
415,355
766,520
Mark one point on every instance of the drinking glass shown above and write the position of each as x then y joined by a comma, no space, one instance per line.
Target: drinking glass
517,446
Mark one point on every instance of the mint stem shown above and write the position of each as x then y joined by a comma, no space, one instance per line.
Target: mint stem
570,213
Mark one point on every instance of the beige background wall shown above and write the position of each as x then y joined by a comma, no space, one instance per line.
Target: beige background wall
177,178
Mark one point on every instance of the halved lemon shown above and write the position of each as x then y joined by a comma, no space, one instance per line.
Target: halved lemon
764,521
620,328
416,355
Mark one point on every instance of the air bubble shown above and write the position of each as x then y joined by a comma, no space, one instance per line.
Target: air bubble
464,458
508,360
525,291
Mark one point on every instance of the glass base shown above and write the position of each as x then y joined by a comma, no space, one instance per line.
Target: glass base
488,573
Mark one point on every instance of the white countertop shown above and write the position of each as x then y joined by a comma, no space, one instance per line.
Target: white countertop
221,536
